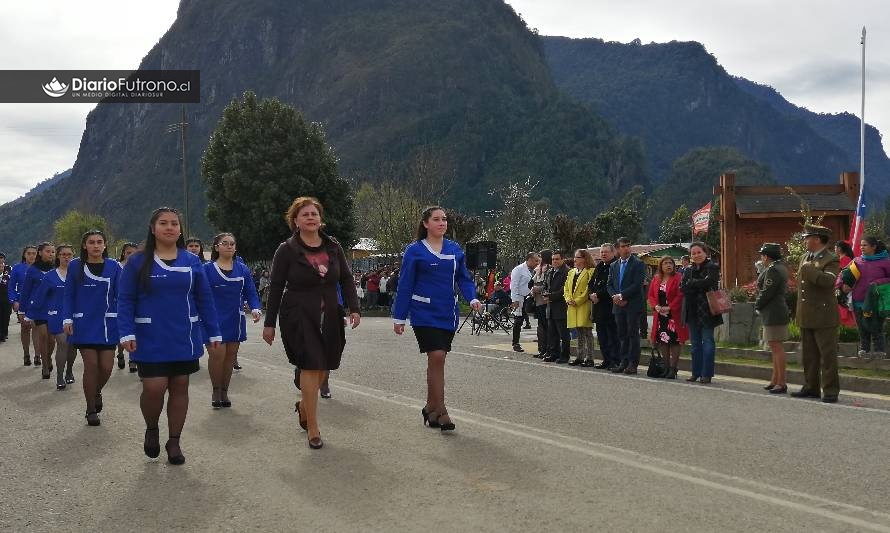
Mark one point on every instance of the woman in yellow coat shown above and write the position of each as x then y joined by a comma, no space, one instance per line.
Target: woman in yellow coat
578,314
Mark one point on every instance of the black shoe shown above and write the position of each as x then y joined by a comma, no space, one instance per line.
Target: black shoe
60,382
705,381
152,447
804,393
316,443
540,356
173,459
133,367
427,420
325,393
236,366
549,359
631,370
771,386
447,426
527,326
99,402
619,369
36,360
602,366
45,374
303,423
692,379
93,418
562,361
779,390
27,361
575,362
518,348
829,399
672,373
69,377
226,402
120,361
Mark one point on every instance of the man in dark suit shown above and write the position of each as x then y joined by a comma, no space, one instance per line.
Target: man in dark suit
558,332
626,290
606,329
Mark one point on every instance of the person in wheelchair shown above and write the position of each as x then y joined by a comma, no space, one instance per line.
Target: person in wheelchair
500,299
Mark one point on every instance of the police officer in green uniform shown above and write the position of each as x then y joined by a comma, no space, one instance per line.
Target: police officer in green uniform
772,285
817,316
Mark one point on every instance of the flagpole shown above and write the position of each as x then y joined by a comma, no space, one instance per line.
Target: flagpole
859,214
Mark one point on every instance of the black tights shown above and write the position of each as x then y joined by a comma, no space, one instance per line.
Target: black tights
152,403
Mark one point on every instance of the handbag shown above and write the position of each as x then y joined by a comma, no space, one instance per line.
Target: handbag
657,365
718,302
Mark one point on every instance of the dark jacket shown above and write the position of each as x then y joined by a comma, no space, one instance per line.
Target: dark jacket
772,284
557,307
599,285
631,286
696,282
298,291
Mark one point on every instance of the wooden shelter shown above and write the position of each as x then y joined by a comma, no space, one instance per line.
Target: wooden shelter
752,215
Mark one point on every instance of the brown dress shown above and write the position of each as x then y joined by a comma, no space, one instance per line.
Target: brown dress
305,302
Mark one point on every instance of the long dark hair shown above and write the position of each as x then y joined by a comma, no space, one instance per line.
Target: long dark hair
877,243
200,247
424,217
25,249
84,256
148,255
124,249
214,253
42,265
59,247
845,248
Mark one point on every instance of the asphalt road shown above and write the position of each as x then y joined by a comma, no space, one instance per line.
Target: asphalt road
538,448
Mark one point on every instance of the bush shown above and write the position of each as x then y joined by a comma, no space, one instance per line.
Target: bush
846,334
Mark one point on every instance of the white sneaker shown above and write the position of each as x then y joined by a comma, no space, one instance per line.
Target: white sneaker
861,353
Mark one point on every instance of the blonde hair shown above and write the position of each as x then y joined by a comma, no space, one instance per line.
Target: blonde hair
588,259
303,201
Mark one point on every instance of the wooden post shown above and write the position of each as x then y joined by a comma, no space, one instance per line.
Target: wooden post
728,248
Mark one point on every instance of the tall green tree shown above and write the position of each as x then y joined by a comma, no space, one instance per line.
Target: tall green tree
70,228
521,223
624,219
677,227
261,156
570,234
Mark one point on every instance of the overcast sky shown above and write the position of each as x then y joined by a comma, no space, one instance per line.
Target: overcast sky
807,49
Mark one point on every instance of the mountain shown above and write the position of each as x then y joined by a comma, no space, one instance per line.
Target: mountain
676,97
463,83
842,129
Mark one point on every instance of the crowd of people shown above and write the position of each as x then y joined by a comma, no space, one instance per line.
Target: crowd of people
164,304
570,295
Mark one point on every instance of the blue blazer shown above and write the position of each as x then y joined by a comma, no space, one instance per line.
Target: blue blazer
90,303
33,277
427,283
47,301
229,294
161,318
16,281
631,287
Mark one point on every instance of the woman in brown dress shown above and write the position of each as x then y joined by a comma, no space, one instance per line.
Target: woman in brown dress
306,270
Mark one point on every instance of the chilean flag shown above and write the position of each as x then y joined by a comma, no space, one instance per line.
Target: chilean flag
858,225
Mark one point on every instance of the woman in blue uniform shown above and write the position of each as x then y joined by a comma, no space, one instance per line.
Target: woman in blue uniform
128,249
50,295
43,343
90,316
232,285
163,291
432,268
16,281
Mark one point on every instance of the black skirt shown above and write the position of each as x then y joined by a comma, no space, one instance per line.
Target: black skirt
97,347
433,339
167,369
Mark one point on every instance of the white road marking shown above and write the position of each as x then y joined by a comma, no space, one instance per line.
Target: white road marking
694,475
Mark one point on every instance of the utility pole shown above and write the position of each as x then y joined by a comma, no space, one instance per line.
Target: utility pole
181,127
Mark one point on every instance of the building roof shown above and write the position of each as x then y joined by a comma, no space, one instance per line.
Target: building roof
643,250
786,203
367,244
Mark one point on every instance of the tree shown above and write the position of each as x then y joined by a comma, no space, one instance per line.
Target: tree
677,227
260,157
463,228
570,234
623,219
70,228
388,214
520,224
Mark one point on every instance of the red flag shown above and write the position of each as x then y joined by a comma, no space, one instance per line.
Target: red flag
701,219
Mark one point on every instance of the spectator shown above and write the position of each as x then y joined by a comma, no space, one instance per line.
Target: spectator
664,295
774,314
372,289
500,297
5,304
520,289
578,301
626,289
873,268
558,333
684,264
701,277
263,289
541,307
383,300
845,301
606,329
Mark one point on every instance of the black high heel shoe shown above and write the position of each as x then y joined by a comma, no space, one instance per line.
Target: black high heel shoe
303,423
427,421
93,418
173,459
447,426
152,447
216,404
771,386
120,361
225,403
316,443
